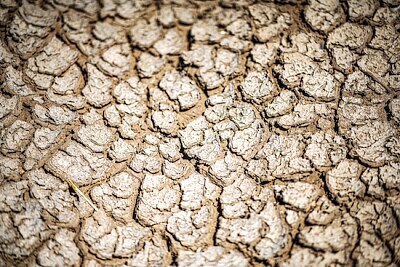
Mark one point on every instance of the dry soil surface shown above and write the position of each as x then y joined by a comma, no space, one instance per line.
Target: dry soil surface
206,133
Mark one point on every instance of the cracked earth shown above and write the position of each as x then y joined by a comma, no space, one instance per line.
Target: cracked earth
207,133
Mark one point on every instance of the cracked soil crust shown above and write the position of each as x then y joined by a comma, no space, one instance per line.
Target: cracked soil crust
206,133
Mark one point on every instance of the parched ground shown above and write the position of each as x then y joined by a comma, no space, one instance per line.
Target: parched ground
206,133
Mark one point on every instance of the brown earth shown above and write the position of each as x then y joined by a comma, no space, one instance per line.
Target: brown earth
204,133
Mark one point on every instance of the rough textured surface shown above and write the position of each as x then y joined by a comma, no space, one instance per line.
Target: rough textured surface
206,133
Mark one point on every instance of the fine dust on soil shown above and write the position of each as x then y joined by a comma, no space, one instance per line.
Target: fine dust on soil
208,133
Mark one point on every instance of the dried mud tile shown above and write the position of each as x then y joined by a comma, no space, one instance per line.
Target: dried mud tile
166,121
370,178
306,114
362,9
370,142
193,229
351,35
24,232
30,27
72,101
15,84
40,80
205,30
79,164
97,137
212,256
144,33
8,105
45,137
376,217
91,118
100,235
339,235
170,149
116,60
285,157
166,16
236,197
386,15
324,16
371,250
262,229
250,210
243,115
256,169
344,58
227,62
199,55
121,150
384,38
216,113
295,66
54,197
157,200
181,88
245,142
226,170
358,83
130,91
389,175
343,181
185,15
126,10
112,116
147,159
278,27
17,136
11,198
299,195
352,111
97,89
209,79
55,58
69,82
321,85
206,150
172,43
106,239
239,28
307,44
118,196
10,169
54,114
324,212
281,104
59,251
263,14
325,150
176,170
263,54
149,65
6,57
258,87
155,252
233,43
225,16
308,257
197,190
375,64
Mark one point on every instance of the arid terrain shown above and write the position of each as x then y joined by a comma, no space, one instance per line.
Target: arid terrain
203,133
